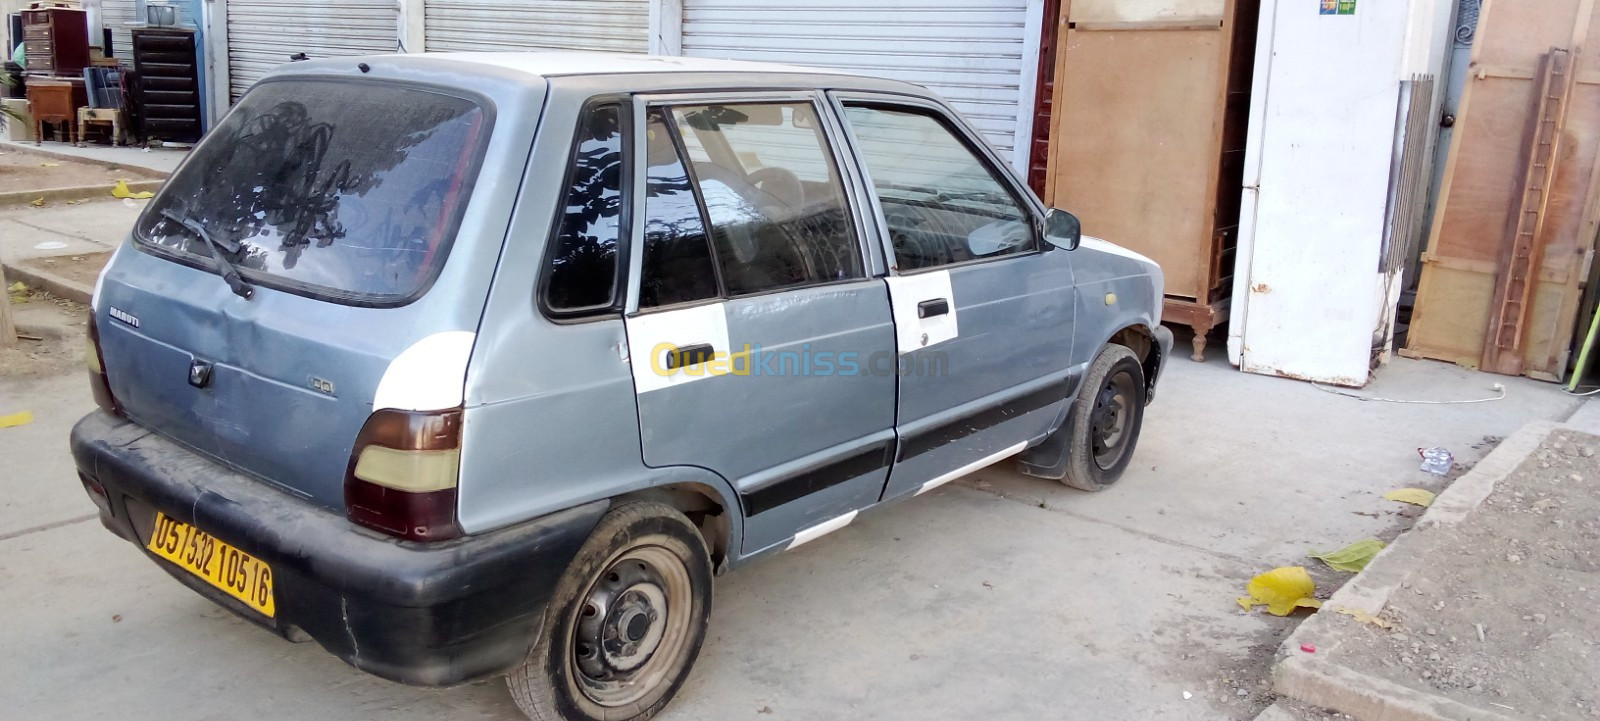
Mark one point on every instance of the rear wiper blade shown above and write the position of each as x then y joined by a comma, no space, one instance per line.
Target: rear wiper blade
230,272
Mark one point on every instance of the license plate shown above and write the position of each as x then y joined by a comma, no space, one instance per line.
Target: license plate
235,572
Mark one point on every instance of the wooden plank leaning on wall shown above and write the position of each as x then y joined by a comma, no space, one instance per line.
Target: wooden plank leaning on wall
1479,200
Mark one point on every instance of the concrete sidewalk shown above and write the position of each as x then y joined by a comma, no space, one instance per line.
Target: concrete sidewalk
61,245
160,160
61,248
1484,610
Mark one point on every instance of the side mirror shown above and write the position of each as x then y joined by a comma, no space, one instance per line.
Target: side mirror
1062,229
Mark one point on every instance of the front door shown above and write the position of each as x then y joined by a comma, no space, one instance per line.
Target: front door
983,314
754,317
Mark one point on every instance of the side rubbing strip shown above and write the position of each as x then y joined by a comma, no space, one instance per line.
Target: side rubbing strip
821,529
985,419
870,459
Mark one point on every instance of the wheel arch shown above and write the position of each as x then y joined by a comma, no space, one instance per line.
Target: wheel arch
1141,339
696,493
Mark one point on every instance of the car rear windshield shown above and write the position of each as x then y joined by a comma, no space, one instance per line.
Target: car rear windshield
346,190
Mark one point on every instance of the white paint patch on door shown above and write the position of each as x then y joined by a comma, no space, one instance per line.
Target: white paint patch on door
430,375
653,336
906,292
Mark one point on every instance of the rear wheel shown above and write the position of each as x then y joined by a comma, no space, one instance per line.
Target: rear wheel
1106,420
626,623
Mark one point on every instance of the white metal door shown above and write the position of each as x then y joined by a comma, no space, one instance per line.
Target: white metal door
262,34
981,55
472,25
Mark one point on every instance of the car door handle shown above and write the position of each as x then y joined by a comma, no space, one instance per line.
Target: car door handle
690,355
931,308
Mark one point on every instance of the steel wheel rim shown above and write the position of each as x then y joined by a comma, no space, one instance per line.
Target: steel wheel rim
1110,423
631,627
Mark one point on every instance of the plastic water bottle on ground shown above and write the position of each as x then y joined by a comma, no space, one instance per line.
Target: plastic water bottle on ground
1437,461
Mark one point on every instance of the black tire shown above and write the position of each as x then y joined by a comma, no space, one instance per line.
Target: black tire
1105,420
625,624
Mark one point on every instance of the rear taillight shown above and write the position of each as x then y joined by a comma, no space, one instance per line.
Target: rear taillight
99,384
403,472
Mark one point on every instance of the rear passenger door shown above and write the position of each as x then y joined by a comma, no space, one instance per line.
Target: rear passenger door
753,315
983,312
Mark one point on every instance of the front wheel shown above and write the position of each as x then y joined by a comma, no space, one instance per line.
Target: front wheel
625,624
1106,420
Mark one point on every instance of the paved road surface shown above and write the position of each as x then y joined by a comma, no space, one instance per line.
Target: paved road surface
1001,597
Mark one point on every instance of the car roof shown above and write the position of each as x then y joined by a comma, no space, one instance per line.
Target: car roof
598,69
561,63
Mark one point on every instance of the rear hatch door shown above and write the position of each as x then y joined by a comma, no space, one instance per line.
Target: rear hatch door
338,201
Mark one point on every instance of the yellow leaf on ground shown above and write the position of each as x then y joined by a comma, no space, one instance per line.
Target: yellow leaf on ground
37,202
18,287
1353,557
16,419
1413,496
1363,616
1282,590
121,191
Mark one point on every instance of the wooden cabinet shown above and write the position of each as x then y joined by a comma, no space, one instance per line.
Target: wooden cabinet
56,102
1147,138
57,41
168,87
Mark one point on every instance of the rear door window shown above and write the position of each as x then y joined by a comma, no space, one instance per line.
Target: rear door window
677,255
346,190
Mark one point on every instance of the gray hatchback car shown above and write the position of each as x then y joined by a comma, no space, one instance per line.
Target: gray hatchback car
465,365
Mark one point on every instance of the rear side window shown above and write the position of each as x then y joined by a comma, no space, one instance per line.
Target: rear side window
581,274
345,190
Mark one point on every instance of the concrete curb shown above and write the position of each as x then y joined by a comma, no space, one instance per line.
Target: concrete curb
49,282
78,192
1319,680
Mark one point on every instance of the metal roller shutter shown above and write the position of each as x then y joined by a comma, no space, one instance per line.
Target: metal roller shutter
472,25
972,52
262,34
116,14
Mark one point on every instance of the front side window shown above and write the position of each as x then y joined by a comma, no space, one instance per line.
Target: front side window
356,200
581,272
941,202
772,195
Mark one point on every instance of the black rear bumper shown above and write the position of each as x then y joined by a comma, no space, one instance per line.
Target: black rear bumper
424,614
